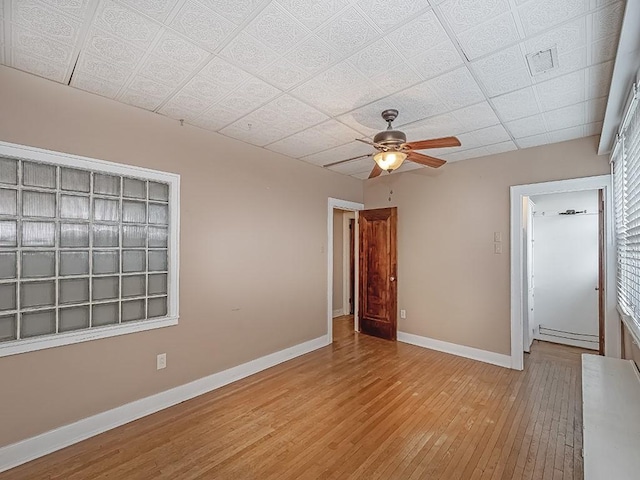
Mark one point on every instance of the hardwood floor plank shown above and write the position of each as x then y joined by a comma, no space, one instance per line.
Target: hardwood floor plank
360,409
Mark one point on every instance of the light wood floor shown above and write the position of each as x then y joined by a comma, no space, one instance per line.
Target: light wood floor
363,408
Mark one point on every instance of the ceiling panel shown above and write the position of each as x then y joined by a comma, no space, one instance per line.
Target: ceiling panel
305,78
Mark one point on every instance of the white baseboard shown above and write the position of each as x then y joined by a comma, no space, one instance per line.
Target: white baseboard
455,349
48,442
338,313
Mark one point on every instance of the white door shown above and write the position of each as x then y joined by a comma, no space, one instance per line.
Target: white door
528,280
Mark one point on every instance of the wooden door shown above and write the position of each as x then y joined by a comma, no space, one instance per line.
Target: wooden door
378,269
352,266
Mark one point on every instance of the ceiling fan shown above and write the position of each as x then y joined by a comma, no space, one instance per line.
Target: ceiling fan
392,148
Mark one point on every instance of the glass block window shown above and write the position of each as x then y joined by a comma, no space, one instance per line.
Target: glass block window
82,249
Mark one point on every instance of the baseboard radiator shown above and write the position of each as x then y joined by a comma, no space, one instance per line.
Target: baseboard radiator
561,336
611,418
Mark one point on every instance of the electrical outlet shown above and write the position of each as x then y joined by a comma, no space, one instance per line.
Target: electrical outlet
161,361
403,314
497,248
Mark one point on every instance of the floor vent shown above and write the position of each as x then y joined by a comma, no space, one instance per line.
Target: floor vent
543,61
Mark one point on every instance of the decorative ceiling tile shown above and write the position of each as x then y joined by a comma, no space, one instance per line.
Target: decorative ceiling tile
248,96
37,66
275,27
348,32
343,152
437,60
465,14
567,62
525,127
565,38
249,53
457,89
387,14
489,37
435,127
561,91
223,73
112,49
283,74
44,20
503,72
599,78
97,67
315,139
203,26
387,82
375,58
235,10
501,147
259,134
95,85
476,116
125,24
200,86
158,9
145,101
491,135
184,107
539,15
77,8
178,51
37,45
533,141
313,55
467,154
418,35
362,166
607,22
518,104
604,49
164,71
332,91
313,13
288,113
595,109
593,129
215,118
567,134
143,85
565,117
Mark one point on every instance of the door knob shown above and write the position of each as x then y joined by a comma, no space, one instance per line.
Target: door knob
392,279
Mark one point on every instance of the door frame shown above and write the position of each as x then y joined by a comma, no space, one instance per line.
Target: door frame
518,192
336,203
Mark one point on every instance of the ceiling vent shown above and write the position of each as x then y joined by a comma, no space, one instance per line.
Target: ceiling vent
542,61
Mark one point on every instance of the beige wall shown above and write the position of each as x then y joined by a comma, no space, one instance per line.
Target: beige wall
452,285
253,255
338,267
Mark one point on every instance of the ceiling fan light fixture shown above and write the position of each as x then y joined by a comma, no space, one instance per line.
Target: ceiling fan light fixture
389,160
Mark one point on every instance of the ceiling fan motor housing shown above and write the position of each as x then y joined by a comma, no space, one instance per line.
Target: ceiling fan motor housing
390,138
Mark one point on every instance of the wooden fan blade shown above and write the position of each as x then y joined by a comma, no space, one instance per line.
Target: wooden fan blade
434,143
425,159
375,172
339,162
365,141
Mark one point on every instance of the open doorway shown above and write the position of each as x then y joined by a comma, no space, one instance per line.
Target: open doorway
609,340
562,269
342,265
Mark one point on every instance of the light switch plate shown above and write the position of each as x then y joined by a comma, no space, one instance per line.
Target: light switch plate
497,236
497,248
403,314
161,361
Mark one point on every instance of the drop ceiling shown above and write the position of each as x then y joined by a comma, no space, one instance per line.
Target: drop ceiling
306,77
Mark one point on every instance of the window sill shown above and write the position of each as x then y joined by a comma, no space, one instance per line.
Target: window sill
630,324
39,343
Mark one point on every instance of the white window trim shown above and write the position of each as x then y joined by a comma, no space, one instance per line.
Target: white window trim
67,160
